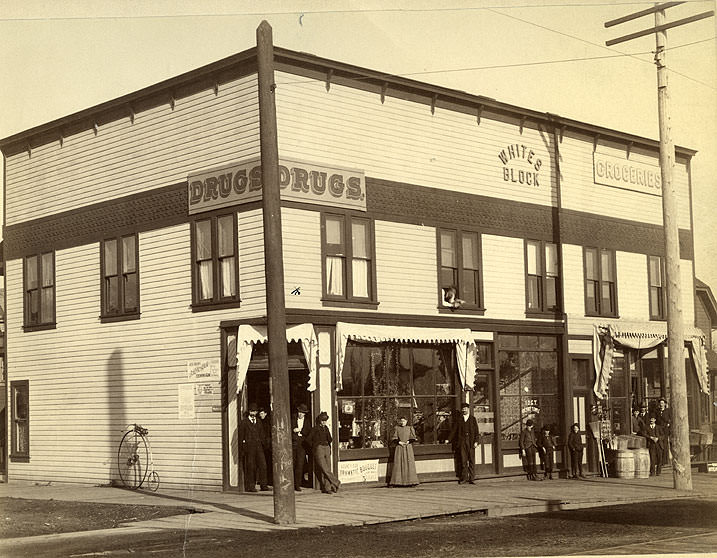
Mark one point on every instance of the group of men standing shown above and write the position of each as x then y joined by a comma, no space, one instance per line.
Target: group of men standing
655,428
306,441
255,447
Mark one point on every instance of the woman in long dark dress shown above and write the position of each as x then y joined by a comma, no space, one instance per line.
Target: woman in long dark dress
403,472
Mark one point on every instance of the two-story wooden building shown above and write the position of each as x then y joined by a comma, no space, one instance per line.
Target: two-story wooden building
439,247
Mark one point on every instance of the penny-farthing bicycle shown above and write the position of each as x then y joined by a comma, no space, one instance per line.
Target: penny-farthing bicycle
134,459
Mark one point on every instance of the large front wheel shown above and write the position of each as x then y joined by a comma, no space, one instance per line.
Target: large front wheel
132,459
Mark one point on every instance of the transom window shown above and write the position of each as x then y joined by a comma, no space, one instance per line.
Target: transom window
460,280
383,381
348,250
656,274
542,274
600,282
120,277
216,262
39,278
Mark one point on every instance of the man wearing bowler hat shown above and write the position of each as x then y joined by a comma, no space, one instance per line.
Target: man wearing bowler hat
252,441
300,430
464,437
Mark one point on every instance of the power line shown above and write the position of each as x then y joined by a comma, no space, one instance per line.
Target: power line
346,11
592,44
523,64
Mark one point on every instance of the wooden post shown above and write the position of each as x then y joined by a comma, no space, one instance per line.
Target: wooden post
283,470
679,437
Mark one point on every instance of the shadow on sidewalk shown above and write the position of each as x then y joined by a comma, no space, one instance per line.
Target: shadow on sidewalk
225,507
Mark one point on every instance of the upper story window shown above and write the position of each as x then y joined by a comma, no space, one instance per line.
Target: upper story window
656,277
215,262
600,282
542,276
349,274
460,278
39,288
120,278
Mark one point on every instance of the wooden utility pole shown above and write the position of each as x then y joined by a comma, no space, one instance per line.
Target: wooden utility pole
679,436
283,470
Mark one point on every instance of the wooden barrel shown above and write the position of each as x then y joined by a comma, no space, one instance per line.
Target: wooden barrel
625,464
642,463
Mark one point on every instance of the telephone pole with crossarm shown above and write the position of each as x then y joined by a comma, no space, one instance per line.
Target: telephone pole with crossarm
679,434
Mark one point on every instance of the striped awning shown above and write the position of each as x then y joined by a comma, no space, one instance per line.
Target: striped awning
462,338
641,335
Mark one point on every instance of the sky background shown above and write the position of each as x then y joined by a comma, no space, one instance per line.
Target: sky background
57,58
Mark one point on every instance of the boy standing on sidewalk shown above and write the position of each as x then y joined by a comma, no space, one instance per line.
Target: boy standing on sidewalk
528,445
546,448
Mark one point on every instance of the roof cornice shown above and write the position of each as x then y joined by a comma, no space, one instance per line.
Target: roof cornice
300,62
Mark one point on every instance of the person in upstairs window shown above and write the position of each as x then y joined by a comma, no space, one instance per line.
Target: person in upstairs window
464,436
528,446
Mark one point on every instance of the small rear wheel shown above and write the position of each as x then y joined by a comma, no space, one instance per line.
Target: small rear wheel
152,481
132,459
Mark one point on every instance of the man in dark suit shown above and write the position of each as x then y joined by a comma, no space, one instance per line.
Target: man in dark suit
664,419
252,441
300,430
656,441
464,437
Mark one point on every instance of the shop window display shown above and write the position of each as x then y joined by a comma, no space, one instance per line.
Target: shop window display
381,381
528,382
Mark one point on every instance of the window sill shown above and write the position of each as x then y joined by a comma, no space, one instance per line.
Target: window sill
552,314
119,318
209,306
39,327
332,303
656,319
614,316
475,311
19,458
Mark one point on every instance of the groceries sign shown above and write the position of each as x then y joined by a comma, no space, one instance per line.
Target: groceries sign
630,175
299,181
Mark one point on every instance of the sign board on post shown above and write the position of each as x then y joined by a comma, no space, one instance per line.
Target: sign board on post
240,183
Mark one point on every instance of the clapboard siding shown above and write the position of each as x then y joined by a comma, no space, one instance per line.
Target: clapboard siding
573,281
503,277
406,268
88,380
301,232
632,286
407,273
402,141
580,192
161,147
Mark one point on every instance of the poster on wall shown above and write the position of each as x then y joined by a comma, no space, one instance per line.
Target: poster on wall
205,370
185,407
